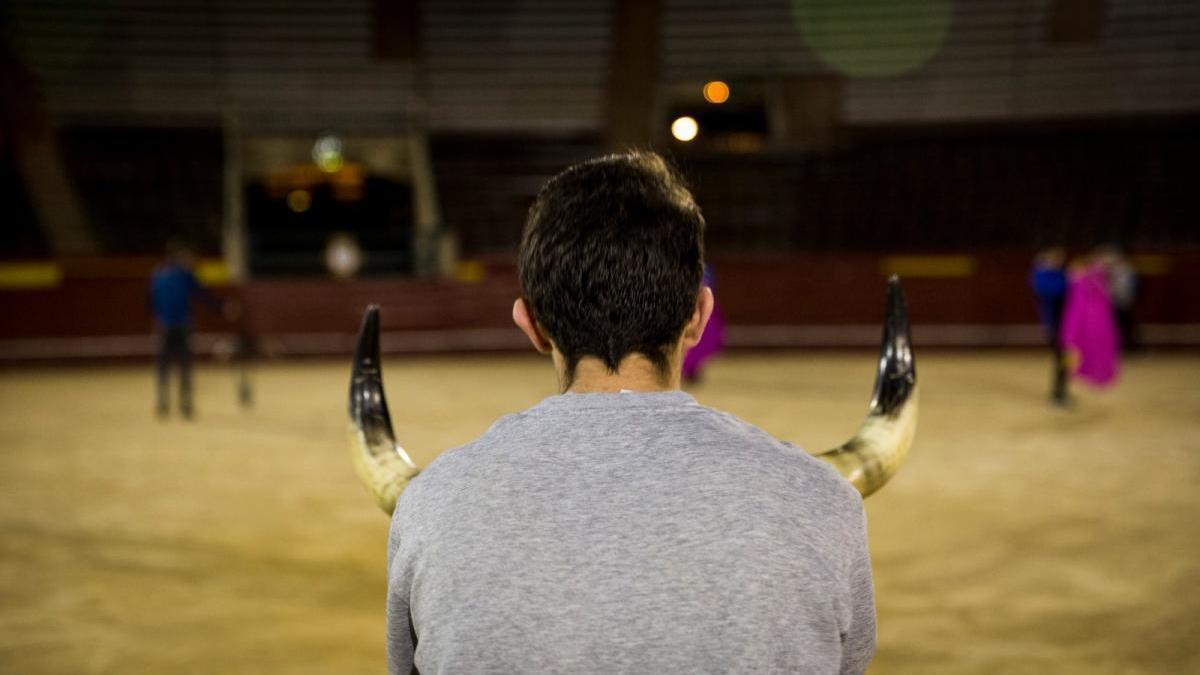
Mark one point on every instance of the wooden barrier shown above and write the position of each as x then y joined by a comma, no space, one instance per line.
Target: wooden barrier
98,308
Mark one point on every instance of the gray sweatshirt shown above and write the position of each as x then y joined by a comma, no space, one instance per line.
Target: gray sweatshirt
628,533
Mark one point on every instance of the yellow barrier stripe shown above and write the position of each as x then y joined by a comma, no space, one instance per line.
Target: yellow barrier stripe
30,275
928,266
470,271
213,272
1151,265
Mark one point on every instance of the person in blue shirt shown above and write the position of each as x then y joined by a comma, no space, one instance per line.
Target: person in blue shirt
173,286
1049,282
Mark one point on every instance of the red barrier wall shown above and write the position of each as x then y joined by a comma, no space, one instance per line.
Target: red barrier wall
98,307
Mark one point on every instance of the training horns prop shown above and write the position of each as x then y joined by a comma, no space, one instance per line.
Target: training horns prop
868,460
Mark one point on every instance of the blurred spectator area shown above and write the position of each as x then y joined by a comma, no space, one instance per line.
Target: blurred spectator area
938,124
498,66
949,187
141,185
933,187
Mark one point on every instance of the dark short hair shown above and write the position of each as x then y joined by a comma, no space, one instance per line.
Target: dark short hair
612,258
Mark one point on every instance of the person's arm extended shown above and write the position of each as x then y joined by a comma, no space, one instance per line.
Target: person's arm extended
858,642
205,295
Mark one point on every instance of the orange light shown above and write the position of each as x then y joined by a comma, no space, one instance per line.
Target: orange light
716,92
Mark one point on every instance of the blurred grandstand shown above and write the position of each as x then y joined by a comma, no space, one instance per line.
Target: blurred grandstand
943,141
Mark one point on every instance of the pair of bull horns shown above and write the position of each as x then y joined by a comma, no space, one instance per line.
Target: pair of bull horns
867,460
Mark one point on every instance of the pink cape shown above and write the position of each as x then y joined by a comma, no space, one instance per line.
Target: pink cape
712,340
1089,333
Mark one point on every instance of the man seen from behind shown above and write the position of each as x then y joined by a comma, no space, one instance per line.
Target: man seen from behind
620,526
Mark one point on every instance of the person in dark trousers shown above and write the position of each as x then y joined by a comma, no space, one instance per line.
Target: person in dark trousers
173,286
246,348
1049,282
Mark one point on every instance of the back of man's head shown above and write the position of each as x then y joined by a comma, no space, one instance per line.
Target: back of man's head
612,258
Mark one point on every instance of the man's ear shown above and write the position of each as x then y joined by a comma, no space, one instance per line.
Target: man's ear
524,320
695,326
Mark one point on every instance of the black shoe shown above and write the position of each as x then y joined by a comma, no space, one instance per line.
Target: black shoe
1064,402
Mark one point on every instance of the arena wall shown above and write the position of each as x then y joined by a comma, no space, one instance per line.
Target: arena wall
97,308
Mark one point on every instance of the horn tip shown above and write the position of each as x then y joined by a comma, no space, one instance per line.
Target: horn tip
895,290
366,351
896,306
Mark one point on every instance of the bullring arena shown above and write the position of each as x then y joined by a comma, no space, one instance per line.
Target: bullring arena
231,183
1016,539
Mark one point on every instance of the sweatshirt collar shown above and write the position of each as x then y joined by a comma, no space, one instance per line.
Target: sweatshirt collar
616,401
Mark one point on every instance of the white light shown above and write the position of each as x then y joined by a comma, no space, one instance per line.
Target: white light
684,128
327,154
343,256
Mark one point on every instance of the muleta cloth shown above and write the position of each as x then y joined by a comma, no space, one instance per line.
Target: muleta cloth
868,460
1089,331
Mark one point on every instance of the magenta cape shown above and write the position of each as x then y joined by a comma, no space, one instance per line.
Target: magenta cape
712,340
1089,332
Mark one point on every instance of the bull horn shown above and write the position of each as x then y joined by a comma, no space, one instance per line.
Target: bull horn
874,454
380,462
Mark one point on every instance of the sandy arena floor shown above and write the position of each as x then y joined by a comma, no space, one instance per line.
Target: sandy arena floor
1018,538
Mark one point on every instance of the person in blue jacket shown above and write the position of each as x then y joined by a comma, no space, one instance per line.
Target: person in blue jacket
173,286
1049,281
